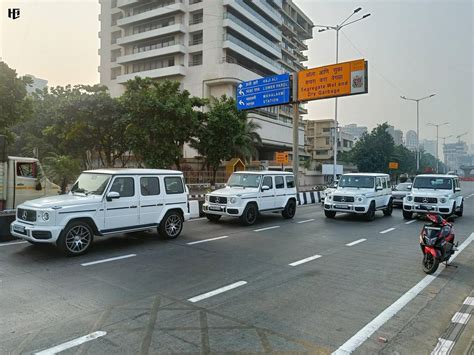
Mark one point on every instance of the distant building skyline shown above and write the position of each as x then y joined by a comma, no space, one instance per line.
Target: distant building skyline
38,83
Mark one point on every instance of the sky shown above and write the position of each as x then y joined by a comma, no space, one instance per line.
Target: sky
414,48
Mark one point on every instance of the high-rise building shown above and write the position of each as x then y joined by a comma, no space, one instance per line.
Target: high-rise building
320,139
429,146
411,140
37,84
209,46
396,134
354,130
456,155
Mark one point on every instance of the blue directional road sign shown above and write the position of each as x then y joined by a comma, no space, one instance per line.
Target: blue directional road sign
268,91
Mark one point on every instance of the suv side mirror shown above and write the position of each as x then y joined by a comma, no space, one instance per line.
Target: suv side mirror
457,189
378,188
112,195
265,188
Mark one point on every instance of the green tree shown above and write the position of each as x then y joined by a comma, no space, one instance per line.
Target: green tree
373,151
15,105
247,143
161,120
62,169
224,133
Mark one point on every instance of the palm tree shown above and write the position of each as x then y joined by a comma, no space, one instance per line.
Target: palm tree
247,143
62,169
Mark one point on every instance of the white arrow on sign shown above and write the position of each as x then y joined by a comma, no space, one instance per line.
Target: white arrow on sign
241,103
241,92
240,86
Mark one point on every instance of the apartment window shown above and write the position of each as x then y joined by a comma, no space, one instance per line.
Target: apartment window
327,140
322,152
164,42
114,72
192,2
196,17
113,4
326,129
115,36
116,17
195,38
195,59
153,64
115,54
154,25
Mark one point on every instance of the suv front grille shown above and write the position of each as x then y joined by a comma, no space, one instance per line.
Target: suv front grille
426,199
26,215
218,199
343,198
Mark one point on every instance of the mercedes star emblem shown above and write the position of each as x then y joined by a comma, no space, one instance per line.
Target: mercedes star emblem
24,215
425,200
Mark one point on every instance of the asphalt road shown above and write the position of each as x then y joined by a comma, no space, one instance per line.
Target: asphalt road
309,285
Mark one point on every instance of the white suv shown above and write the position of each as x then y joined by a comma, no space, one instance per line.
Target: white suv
248,193
102,202
434,193
362,193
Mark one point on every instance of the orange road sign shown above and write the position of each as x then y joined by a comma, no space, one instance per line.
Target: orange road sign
334,80
393,165
281,157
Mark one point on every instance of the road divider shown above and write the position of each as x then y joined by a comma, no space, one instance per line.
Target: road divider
302,261
72,343
217,292
356,242
308,197
370,328
265,229
207,240
109,259
387,230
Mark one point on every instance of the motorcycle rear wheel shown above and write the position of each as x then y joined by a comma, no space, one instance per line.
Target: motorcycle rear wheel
430,264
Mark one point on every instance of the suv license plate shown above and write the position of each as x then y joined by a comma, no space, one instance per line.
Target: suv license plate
215,208
18,228
429,208
342,207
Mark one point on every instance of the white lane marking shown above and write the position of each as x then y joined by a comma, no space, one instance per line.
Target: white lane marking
110,259
366,332
7,244
296,263
305,221
72,343
443,347
208,240
469,301
387,230
216,292
410,222
265,229
356,242
461,318
196,219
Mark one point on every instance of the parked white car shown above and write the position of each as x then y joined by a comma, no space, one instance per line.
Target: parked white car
434,193
103,202
399,192
361,193
249,193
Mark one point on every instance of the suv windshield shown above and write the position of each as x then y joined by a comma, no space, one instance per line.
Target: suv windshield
424,182
88,183
359,181
244,180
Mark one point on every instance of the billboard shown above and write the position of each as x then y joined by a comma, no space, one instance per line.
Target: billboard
327,169
342,79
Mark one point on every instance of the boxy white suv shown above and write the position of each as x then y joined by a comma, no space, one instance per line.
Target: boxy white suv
362,193
434,193
104,202
248,193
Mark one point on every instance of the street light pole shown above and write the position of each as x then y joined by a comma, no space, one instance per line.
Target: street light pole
417,126
337,29
437,141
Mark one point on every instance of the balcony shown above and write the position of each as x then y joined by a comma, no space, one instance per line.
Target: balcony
245,30
160,10
269,10
251,53
153,33
177,48
253,16
176,70
125,3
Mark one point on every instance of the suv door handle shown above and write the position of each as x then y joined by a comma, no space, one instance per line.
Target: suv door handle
133,206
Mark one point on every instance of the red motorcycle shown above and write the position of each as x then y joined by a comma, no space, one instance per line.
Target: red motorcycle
436,242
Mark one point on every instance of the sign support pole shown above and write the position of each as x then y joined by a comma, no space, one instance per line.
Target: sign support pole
296,116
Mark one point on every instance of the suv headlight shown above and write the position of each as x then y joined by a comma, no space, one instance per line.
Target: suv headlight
45,216
329,197
409,198
359,198
233,200
443,200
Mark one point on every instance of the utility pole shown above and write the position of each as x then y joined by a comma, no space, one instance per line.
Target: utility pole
337,28
296,118
417,126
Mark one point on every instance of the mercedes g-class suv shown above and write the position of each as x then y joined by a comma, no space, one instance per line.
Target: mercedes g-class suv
103,202
434,193
249,193
361,193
